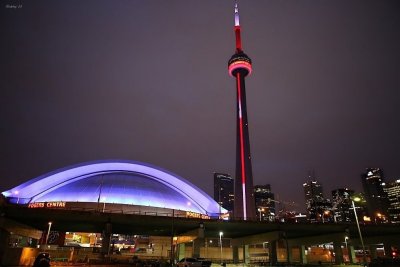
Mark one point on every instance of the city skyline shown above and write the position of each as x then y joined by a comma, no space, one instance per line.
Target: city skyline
147,81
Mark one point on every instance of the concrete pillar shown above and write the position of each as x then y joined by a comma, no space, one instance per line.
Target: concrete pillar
4,239
352,254
273,257
197,244
289,253
181,251
235,254
372,252
303,256
337,248
246,255
106,241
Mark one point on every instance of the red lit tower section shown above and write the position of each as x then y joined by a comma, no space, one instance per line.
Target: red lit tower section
239,66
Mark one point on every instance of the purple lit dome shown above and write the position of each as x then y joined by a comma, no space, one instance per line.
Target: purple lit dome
117,182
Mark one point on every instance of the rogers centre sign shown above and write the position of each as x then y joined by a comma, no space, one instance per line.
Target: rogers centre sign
39,205
191,214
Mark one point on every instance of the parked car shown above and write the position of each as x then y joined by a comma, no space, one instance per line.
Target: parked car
42,260
204,262
192,262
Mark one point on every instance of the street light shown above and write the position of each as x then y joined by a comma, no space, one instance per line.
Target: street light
358,199
220,242
260,210
48,232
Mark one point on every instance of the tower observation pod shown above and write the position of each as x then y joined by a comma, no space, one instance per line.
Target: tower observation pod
239,66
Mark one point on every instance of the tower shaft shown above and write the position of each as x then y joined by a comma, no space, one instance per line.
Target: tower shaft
244,192
239,67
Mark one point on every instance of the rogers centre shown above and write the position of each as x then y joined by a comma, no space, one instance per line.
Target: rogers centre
120,185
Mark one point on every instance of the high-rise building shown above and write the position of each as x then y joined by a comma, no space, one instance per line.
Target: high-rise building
376,198
312,191
224,190
341,205
318,208
265,202
393,192
239,66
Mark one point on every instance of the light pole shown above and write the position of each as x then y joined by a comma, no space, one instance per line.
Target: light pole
48,232
260,210
220,243
357,199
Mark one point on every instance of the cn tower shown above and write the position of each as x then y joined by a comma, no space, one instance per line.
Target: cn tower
239,67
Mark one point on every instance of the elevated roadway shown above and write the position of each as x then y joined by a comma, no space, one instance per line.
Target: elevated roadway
248,231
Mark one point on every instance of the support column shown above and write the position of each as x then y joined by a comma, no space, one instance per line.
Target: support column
303,256
352,254
106,241
273,257
337,247
4,239
197,244
289,253
235,254
246,255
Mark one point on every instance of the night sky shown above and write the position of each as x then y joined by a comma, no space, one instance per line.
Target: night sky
148,81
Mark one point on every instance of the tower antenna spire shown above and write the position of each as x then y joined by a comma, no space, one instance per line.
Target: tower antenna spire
237,30
236,15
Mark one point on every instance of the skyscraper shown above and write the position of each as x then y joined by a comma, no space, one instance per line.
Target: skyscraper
318,208
375,196
265,202
393,191
239,67
224,190
312,191
341,205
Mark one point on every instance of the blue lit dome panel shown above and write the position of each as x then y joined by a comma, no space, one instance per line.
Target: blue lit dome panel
121,188
117,182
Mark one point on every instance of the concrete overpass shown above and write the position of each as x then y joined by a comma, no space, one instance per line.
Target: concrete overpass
27,221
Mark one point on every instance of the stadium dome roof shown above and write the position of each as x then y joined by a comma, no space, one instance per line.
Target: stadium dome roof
119,182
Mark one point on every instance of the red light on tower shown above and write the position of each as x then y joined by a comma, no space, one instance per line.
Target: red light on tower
239,66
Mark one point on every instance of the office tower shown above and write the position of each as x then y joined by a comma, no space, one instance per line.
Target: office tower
312,191
224,190
392,190
376,198
265,202
318,208
341,205
239,67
